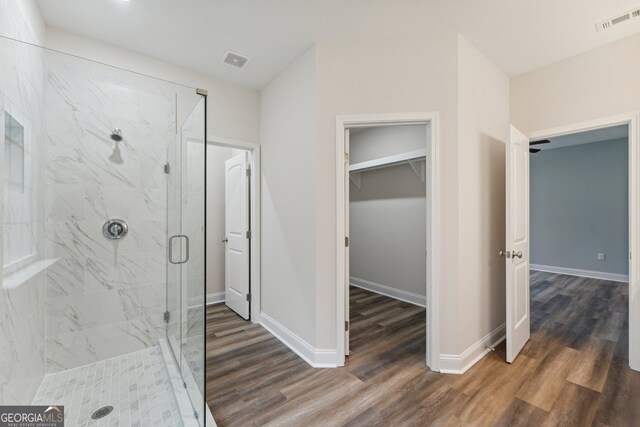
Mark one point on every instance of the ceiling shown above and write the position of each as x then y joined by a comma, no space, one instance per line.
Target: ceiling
598,135
518,36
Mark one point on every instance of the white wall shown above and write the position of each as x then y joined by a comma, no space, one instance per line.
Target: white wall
360,77
289,207
364,76
596,84
387,233
483,118
216,156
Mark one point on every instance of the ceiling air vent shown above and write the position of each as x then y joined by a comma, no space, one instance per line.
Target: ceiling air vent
605,25
235,59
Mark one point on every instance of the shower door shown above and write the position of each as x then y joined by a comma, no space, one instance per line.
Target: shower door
185,314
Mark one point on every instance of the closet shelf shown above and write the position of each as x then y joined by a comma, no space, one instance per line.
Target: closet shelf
416,159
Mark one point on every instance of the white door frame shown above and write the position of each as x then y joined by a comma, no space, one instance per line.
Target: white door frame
432,284
633,121
254,215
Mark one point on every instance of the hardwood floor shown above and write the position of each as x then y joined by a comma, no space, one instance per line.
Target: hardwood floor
573,372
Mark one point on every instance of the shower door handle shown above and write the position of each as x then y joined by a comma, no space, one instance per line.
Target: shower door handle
186,258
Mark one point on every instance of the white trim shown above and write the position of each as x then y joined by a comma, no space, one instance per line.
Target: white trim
395,293
621,119
318,358
215,298
432,284
460,363
633,121
256,222
580,273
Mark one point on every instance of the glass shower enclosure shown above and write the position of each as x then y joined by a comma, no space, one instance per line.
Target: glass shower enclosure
185,315
103,240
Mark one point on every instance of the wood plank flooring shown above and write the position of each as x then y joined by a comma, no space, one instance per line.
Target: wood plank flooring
573,372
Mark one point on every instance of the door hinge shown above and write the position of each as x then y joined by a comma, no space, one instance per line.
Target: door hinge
248,171
346,242
248,234
346,157
167,168
249,297
346,326
167,316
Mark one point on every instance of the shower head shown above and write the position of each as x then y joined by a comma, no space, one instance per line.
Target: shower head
116,135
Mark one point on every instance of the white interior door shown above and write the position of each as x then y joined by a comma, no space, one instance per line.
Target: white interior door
517,240
346,252
237,235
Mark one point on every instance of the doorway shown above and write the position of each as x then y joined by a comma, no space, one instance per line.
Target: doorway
426,168
387,245
630,123
233,226
580,204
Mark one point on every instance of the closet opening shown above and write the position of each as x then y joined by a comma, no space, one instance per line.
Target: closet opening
387,243
387,293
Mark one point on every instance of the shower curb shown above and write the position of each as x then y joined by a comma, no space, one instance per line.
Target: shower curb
180,393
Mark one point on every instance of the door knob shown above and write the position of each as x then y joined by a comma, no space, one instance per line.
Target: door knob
225,240
517,254
504,253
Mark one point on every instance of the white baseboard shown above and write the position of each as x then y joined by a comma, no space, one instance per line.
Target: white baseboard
318,358
405,296
581,273
460,363
215,298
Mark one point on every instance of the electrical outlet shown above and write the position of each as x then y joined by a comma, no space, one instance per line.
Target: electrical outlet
601,256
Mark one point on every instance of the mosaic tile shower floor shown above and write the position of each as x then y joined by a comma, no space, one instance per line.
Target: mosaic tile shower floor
136,385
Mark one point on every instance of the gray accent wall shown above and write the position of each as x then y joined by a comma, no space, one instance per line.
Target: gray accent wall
388,213
579,207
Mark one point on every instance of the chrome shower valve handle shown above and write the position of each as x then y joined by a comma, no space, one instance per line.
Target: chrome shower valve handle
115,229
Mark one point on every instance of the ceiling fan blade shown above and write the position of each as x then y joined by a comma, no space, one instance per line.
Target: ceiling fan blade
534,150
542,141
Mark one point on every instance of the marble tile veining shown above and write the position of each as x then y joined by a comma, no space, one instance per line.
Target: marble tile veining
22,321
95,293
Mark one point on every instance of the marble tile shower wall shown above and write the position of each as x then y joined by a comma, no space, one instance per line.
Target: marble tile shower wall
22,318
104,298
